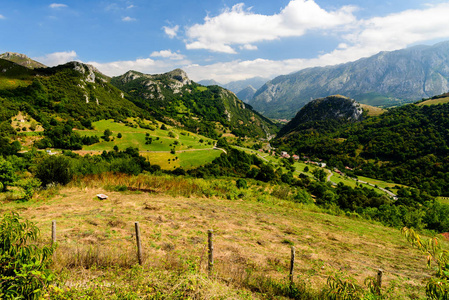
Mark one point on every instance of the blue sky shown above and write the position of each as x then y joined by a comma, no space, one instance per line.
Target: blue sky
222,40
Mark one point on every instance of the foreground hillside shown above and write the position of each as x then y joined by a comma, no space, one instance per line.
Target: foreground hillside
253,234
385,79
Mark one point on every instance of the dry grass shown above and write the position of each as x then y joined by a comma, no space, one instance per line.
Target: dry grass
434,101
252,239
373,110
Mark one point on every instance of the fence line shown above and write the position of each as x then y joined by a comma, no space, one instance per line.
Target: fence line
210,247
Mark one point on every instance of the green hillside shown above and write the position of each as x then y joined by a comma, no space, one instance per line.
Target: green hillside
407,144
22,60
174,98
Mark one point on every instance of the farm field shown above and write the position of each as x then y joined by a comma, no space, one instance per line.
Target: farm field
190,150
253,234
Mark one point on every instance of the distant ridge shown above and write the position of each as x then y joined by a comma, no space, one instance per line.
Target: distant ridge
385,79
22,59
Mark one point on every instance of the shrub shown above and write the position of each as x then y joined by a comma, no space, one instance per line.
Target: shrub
29,186
241,183
54,169
24,268
7,174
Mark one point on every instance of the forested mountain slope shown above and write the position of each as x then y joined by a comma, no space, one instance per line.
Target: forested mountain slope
333,109
408,145
174,98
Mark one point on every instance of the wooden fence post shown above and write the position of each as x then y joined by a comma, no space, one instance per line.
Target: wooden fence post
292,264
53,232
210,264
139,245
379,280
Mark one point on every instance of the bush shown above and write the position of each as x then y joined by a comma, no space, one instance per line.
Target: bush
24,268
54,169
241,183
7,174
29,186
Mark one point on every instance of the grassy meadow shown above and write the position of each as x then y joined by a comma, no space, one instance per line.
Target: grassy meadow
434,101
254,230
190,150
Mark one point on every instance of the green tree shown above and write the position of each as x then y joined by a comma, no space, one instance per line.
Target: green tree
106,135
7,174
24,267
320,174
54,169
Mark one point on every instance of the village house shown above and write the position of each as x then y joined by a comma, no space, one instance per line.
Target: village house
285,154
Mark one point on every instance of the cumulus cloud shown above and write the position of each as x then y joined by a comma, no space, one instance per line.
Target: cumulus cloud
57,58
128,19
225,72
167,54
391,32
240,26
57,5
171,31
144,65
362,39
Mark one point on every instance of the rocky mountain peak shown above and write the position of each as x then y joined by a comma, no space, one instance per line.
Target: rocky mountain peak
179,75
21,59
88,70
9,55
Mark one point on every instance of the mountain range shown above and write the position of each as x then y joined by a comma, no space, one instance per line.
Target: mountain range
78,93
385,79
244,89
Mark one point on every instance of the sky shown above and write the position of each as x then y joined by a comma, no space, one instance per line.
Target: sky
222,40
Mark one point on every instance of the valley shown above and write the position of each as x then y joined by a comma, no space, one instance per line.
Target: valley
337,182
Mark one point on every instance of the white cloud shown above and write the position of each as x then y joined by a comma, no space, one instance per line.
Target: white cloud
2,17
391,32
239,70
128,19
248,47
57,58
167,54
239,26
130,6
171,31
144,65
364,38
57,5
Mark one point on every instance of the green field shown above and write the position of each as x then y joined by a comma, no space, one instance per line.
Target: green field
9,83
443,200
186,160
163,141
434,101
